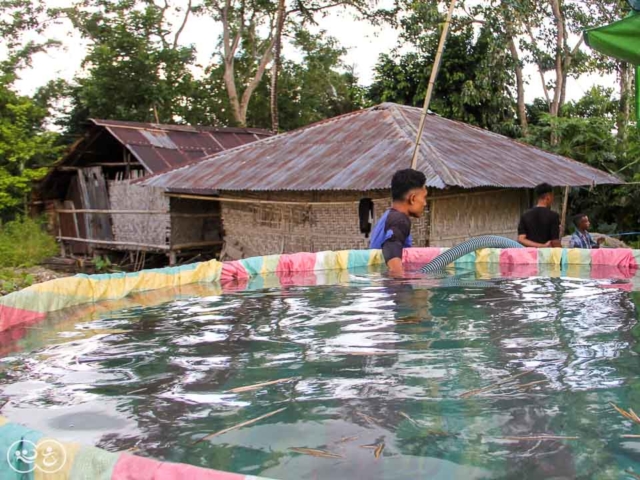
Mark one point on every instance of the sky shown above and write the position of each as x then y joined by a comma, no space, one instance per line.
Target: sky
363,41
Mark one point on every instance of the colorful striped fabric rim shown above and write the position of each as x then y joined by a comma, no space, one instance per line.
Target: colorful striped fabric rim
29,455
34,303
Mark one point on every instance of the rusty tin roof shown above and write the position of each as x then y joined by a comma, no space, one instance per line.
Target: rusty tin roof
162,147
361,150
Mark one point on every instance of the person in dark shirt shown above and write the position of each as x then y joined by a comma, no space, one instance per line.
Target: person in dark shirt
392,233
539,227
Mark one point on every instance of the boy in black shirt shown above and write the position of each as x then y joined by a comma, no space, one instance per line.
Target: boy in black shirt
392,233
539,227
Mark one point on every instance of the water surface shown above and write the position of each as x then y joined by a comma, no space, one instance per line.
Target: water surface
371,362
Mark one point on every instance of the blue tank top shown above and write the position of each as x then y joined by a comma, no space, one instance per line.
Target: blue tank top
381,234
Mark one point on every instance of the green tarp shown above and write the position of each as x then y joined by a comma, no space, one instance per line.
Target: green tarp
620,40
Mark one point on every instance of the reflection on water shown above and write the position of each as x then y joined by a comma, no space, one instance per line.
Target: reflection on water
371,363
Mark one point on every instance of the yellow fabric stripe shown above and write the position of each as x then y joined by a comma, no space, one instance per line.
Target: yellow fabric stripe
57,455
342,260
269,264
578,256
376,258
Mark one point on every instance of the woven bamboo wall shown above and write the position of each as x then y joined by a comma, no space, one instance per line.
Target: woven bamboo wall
473,213
263,229
147,229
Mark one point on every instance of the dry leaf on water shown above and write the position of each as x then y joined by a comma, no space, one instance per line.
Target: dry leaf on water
315,452
257,386
493,386
240,425
378,451
630,415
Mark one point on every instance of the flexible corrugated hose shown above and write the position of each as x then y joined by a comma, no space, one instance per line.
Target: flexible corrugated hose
471,245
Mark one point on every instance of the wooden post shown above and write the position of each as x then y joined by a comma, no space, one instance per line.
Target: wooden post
563,218
63,253
432,81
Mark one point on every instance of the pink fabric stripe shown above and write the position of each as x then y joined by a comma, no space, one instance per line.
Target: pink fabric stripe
604,272
420,255
519,256
11,317
622,257
231,285
301,279
509,270
298,262
9,338
131,467
627,287
297,269
233,270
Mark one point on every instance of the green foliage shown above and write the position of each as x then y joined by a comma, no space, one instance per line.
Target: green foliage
473,85
587,134
24,243
132,72
102,264
12,280
26,149
312,90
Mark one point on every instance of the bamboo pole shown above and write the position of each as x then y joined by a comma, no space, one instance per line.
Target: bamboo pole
208,243
113,243
432,81
141,212
563,219
266,202
119,212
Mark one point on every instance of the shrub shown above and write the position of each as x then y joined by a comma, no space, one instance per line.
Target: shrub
24,243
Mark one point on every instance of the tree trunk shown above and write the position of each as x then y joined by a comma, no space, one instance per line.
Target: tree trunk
522,108
229,76
622,120
557,91
275,124
230,84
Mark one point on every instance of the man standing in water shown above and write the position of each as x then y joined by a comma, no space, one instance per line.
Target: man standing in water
392,233
539,227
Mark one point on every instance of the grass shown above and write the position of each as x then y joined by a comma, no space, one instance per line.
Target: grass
12,280
23,244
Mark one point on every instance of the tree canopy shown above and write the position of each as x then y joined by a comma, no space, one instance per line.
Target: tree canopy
138,67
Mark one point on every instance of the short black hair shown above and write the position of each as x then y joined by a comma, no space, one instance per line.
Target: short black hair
542,189
577,219
404,181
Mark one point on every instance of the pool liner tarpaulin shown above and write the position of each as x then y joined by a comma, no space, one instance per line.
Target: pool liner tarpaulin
82,294
78,462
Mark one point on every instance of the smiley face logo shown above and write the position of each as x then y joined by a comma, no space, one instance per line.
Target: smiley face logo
25,456
51,456
22,455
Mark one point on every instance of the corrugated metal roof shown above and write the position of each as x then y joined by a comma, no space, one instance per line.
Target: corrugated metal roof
360,151
161,147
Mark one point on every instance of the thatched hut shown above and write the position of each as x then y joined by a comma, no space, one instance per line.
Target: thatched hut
300,191
92,204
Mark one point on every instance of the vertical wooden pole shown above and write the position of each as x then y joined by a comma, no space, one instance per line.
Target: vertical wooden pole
432,81
63,253
563,218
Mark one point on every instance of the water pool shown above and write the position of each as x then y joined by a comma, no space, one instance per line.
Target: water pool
380,378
